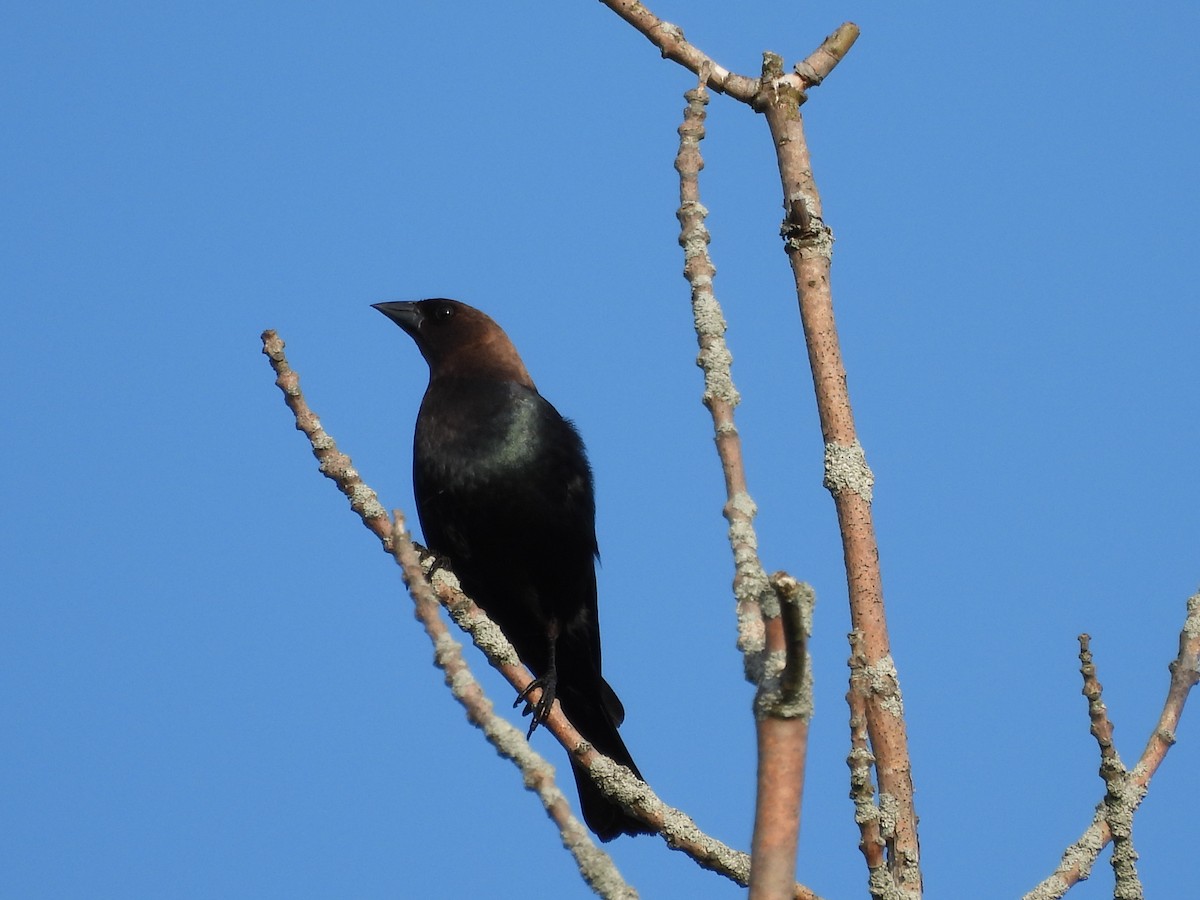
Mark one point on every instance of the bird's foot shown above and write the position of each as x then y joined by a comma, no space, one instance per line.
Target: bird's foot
436,560
540,710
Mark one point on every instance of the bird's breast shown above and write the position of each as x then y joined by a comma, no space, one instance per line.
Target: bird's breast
477,442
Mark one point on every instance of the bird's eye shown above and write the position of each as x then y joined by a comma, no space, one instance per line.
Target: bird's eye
443,312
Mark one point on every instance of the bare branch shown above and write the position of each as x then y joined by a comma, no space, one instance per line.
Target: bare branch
1185,672
670,40
334,464
832,51
1121,798
867,815
751,587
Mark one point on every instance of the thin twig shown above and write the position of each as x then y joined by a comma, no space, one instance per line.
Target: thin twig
751,587
832,51
334,464
669,39
1119,800
868,816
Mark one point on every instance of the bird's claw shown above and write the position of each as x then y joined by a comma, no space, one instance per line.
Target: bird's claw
540,710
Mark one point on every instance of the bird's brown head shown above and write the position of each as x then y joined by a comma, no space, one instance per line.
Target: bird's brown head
458,340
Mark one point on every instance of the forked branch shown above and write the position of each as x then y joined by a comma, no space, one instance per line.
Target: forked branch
1125,788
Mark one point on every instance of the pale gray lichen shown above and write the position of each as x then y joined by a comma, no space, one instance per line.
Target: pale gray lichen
743,503
461,683
884,682
846,468
889,808
706,312
365,500
752,635
1191,625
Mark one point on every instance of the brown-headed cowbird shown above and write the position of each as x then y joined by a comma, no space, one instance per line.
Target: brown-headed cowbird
504,492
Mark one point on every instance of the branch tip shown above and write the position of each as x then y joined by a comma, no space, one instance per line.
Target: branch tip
833,50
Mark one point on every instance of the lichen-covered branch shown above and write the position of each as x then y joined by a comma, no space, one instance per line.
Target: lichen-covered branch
334,464
1121,797
872,821
751,587
674,46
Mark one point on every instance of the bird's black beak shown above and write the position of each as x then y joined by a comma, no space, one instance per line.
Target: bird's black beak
404,313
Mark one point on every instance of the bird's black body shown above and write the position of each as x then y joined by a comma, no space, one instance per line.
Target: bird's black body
504,491
523,546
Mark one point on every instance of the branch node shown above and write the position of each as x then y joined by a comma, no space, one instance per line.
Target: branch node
804,232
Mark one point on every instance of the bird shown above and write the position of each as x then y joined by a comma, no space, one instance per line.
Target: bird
505,496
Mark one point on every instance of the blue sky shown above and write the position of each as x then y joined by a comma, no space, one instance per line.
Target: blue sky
210,678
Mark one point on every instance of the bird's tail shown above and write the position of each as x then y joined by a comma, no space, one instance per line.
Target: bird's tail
595,721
